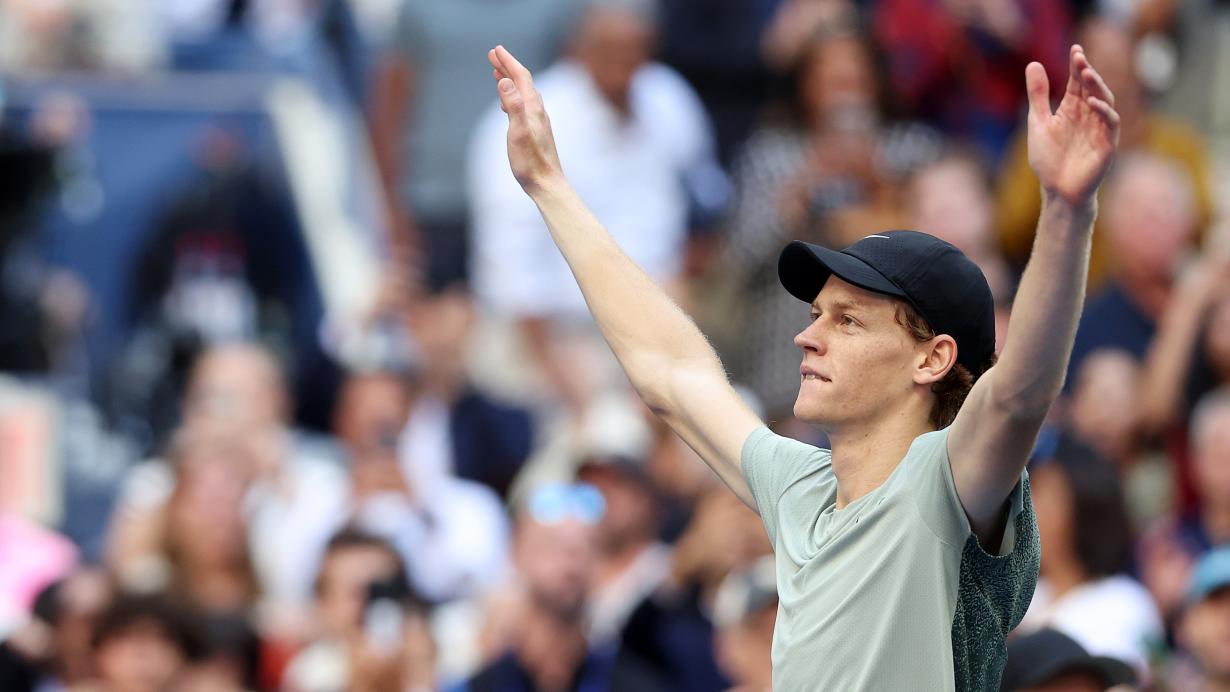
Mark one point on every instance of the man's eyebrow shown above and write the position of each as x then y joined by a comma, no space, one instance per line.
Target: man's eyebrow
842,304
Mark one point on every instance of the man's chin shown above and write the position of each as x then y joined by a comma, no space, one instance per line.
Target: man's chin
808,412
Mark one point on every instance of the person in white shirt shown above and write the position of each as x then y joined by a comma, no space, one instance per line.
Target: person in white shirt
636,142
1083,591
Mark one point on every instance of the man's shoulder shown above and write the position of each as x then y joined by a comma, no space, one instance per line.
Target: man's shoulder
764,443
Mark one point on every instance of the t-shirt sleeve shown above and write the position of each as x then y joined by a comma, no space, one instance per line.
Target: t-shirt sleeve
937,500
771,463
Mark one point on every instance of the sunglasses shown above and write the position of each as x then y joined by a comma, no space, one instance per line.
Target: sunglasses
556,502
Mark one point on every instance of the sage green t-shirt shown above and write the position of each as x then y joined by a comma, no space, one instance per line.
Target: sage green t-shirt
893,591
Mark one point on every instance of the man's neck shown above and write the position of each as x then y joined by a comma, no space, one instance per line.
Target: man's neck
865,455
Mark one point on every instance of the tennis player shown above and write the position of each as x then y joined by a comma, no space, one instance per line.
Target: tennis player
907,552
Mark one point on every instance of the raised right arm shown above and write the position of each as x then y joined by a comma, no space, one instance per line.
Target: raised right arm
670,363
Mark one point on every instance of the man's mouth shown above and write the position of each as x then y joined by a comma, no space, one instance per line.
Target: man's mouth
808,374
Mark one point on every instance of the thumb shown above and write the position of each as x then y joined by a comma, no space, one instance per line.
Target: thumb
510,99
1038,87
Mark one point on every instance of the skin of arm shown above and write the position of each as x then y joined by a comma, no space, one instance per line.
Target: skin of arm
1165,369
668,360
1071,151
387,108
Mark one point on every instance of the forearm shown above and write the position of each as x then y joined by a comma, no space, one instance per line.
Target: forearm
1166,366
646,330
1047,309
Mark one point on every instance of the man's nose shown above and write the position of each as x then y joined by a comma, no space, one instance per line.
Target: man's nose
811,338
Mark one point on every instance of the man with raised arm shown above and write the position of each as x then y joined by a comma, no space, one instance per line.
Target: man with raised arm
907,552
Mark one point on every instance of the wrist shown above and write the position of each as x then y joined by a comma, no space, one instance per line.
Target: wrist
1060,208
547,186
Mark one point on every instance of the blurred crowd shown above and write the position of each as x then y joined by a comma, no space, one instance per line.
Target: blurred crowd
228,478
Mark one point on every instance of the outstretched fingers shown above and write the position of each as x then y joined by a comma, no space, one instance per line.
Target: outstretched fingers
514,70
1095,86
1076,62
1105,110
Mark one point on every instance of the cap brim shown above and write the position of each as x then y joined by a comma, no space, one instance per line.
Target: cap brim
1112,671
803,268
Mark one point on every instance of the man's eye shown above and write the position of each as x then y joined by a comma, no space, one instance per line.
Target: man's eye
815,316
848,321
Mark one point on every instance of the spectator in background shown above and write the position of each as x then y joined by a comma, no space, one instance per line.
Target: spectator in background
142,644
1104,413
350,650
671,631
1083,589
452,533
632,562
1190,354
829,172
205,532
631,132
536,633
53,650
457,426
296,487
1149,219
1050,661
1104,407
1168,550
1142,130
958,63
951,199
428,97
229,658
219,264
74,35
1204,632
744,612
733,83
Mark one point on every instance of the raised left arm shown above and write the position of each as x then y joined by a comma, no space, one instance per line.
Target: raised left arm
1070,150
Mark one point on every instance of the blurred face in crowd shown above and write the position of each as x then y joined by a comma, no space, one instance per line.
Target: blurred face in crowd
1104,403
441,325
951,201
1205,632
855,333
556,560
345,575
1111,49
612,45
239,385
1072,681
838,85
1053,505
371,411
81,599
1150,218
630,517
1211,452
143,657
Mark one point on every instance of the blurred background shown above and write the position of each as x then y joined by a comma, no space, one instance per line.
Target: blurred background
297,394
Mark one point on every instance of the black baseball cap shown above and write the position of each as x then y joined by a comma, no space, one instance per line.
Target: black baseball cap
1038,657
946,288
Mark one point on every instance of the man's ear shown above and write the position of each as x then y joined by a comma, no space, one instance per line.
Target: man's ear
936,357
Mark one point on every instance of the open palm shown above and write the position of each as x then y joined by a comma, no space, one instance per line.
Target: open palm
1072,148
